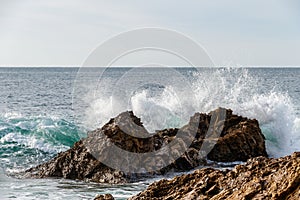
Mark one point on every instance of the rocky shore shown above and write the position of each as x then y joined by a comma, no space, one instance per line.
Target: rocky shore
259,178
227,139
239,139
233,138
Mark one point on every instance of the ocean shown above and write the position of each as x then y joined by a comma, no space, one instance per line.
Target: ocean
43,111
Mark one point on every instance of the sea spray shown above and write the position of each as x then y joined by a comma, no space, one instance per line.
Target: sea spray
235,88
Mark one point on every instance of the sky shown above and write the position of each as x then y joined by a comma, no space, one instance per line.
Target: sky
65,32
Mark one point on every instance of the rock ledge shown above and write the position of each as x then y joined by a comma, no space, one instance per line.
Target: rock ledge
259,178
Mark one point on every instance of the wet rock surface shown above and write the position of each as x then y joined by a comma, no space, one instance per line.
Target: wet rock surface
217,136
104,197
259,178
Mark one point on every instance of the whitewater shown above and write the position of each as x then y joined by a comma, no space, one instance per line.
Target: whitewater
41,114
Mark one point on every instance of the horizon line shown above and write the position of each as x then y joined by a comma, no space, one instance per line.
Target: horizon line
130,66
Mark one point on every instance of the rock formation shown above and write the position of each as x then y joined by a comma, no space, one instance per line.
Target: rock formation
104,197
259,178
217,136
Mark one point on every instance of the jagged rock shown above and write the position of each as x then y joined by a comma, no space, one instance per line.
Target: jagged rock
240,140
259,178
218,136
77,163
104,197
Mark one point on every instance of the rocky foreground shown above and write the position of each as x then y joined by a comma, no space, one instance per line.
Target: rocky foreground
233,138
259,178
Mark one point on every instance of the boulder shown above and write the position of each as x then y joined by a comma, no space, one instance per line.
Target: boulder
77,164
217,136
259,178
104,197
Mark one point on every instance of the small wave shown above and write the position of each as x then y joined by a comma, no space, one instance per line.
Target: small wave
26,141
31,142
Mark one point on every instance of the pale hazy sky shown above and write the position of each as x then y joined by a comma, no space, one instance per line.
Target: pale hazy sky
64,32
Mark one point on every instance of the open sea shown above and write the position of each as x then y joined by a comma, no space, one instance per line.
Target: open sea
43,111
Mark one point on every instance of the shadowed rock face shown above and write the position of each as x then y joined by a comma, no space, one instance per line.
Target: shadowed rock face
78,164
233,138
259,178
104,197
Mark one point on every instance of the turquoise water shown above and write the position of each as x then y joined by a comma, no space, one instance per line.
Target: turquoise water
43,112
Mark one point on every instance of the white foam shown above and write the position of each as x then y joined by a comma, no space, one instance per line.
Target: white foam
157,112
12,115
32,132
32,142
236,89
231,88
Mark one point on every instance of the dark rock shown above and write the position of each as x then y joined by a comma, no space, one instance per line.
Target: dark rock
240,140
259,178
104,197
218,136
77,163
